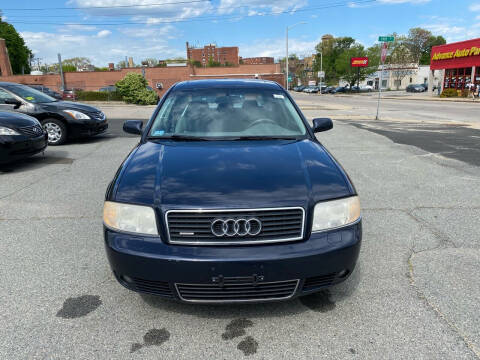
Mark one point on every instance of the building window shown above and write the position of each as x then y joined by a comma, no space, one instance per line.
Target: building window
411,80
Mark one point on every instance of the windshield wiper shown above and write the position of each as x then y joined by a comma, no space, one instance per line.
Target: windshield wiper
266,138
181,138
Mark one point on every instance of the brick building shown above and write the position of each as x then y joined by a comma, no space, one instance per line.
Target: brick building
256,60
223,55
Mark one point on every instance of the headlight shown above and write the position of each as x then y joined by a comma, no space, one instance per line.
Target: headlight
336,213
77,114
130,218
7,131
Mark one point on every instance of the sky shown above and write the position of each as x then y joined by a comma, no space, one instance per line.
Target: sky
108,30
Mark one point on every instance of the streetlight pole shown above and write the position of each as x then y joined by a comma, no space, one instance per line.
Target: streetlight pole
286,57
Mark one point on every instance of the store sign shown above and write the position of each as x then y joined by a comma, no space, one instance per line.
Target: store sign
359,61
459,53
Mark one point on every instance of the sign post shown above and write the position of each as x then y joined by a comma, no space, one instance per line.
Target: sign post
386,40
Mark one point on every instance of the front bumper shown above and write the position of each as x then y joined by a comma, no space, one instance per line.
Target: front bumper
14,148
148,265
88,128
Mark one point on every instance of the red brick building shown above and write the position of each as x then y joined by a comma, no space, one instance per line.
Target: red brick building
256,60
223,55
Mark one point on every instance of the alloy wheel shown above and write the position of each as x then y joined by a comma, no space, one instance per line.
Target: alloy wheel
54,132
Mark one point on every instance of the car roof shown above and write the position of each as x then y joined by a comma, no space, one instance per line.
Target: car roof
227,83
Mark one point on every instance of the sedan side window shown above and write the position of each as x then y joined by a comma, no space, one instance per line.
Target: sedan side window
4,95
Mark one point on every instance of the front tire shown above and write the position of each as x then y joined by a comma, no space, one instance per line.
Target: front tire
56,130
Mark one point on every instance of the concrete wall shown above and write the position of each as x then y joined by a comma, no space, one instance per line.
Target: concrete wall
167,76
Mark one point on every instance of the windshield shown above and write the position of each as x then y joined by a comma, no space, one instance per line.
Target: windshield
29,94
223,113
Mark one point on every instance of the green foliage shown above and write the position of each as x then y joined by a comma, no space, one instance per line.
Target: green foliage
446,93
98,95
195,63
336,60
101,69
213,63
133,90
18,52
76,62
68,68
432,41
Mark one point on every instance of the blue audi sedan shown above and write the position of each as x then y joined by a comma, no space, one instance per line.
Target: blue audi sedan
229,197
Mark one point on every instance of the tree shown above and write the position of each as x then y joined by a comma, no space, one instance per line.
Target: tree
122,64
18,53
432,41
351,74
133,90
150,62
212,63
77,62
401,62
331,50
416,42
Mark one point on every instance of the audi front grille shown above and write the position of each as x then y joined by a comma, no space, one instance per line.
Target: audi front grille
237,292
235,227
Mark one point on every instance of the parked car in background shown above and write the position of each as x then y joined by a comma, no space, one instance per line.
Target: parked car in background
109,88
299,88
425,86
415,88
366,88
328,90
170,232
311,89
47,91
61,119
69,94
339,89
21,136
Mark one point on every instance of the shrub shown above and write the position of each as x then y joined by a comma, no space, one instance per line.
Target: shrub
98,96
449,93
465,93
133,90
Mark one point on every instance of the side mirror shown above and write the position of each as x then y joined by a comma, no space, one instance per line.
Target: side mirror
322,124
133,127
15,102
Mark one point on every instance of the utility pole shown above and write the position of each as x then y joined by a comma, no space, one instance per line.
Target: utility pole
61,71
286,57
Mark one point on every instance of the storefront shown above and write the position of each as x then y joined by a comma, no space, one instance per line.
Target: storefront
459,63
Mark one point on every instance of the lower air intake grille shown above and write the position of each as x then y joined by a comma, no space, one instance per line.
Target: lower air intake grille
152,287
237,291
318,282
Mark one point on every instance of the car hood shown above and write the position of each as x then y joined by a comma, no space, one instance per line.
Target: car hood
64,105
16,120
237,174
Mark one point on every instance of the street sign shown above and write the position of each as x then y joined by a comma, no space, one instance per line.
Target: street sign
386,38
359,61
321,74
384,51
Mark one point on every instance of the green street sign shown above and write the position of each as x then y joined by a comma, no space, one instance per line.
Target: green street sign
386,38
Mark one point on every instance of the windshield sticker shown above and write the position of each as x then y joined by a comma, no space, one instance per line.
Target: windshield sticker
29,98
158,133
278,96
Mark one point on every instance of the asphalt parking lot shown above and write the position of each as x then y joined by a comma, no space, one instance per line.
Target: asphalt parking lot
414,294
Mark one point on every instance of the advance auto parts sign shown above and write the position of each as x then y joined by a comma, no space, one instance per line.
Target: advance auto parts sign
459,53
359,61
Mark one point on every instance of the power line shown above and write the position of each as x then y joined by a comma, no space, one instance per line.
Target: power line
204,18
105,7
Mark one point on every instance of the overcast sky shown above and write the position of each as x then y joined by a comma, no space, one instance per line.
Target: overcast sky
160,28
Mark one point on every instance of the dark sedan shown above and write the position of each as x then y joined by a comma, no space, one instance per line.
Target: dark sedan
230,197
61,119
21,136
339,89
47,91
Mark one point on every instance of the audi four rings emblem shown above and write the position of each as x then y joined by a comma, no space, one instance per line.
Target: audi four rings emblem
236,227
